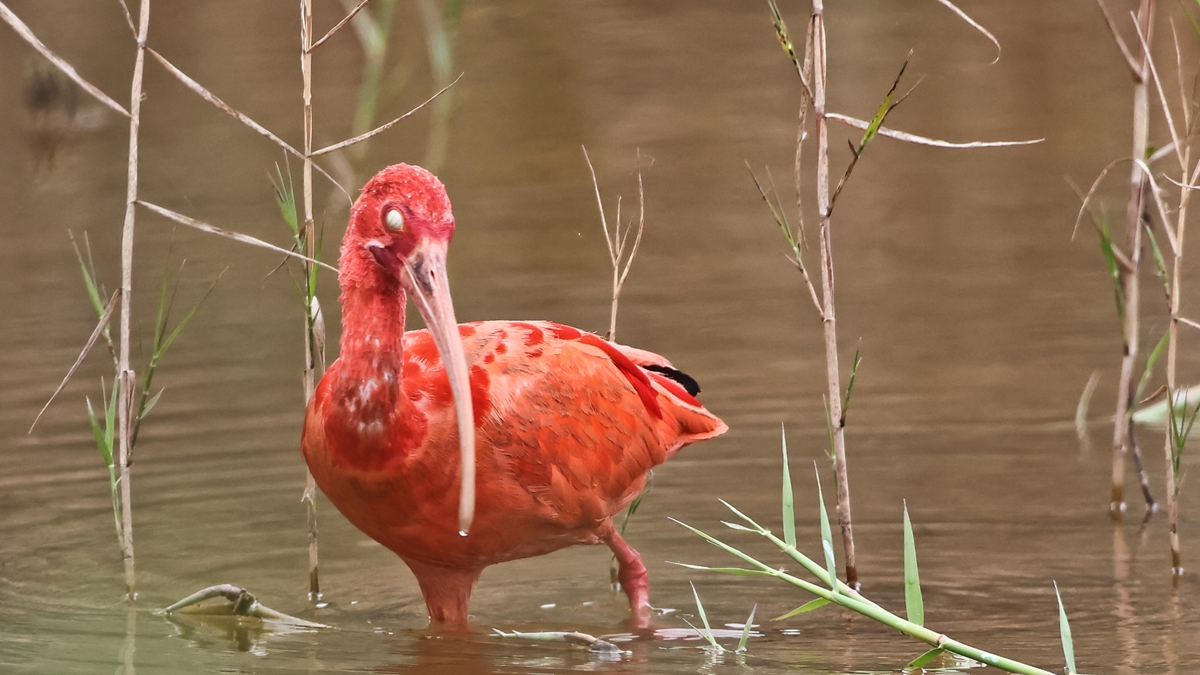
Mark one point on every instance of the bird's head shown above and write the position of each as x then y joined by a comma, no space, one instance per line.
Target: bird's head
402,220
399,230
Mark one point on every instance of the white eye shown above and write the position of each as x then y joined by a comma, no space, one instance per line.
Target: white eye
395,220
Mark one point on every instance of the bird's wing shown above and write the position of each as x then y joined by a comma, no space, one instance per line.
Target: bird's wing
574,420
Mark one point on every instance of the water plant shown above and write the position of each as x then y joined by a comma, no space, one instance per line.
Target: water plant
116,427
1126,273
829,589
1147,198
811,67
124,381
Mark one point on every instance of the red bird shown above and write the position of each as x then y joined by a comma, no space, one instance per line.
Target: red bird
563,425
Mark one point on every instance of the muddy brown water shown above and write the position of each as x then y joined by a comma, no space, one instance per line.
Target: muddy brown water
980,321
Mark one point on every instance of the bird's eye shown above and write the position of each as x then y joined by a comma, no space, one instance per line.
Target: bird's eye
394,220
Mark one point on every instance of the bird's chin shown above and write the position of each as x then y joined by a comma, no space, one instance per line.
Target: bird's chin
386,258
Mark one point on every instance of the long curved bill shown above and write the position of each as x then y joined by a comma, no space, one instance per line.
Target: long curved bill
425,277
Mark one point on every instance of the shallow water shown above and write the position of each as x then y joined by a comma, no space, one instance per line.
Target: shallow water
980,322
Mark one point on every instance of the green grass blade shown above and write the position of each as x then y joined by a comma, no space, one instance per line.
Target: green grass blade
1114,269
1180,429
149,405
826,536
829,430
736,571
741,648
925,658
1160,265
1064,630
110,417
853,375
1150,361
164,303
789,511
785,40
885,107
779,215
806,607
285,198
98,432
1191,19
914,605
89,275
759,529
188,317
725,547
707,634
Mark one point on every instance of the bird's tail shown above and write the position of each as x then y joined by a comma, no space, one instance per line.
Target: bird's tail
678,390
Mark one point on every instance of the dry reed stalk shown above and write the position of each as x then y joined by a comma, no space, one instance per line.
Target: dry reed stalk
828,311
383,127
1123,440
616,242
1172,349
1188,176
308,49
126,379
314,338
235,236
813,72
87,348
310,372
125,382
67,69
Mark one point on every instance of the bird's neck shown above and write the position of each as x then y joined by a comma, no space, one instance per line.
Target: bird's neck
367,410
371,362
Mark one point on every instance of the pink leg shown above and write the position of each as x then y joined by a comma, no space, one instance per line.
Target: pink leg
447,592
632,575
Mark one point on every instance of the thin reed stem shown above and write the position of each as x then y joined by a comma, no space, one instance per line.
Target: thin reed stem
1172,348
126,380
829,313
310,373
616,241
1123,426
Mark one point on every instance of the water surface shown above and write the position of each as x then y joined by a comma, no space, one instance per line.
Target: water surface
979,321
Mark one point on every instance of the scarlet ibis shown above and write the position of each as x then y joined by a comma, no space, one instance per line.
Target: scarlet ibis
563,424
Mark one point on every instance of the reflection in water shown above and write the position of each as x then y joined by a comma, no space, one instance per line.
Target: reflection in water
439,653
129,646
1126,616
57,111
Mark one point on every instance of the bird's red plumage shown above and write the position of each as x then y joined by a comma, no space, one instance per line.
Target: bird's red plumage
567,426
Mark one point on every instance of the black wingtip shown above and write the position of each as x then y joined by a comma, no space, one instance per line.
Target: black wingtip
689,384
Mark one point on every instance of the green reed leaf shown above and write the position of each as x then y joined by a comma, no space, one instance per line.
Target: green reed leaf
789,511
826,536
1064,631
806,607
741,648
924,659
707,633
914,605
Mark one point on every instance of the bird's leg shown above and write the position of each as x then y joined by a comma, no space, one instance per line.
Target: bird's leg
632,575
447,592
